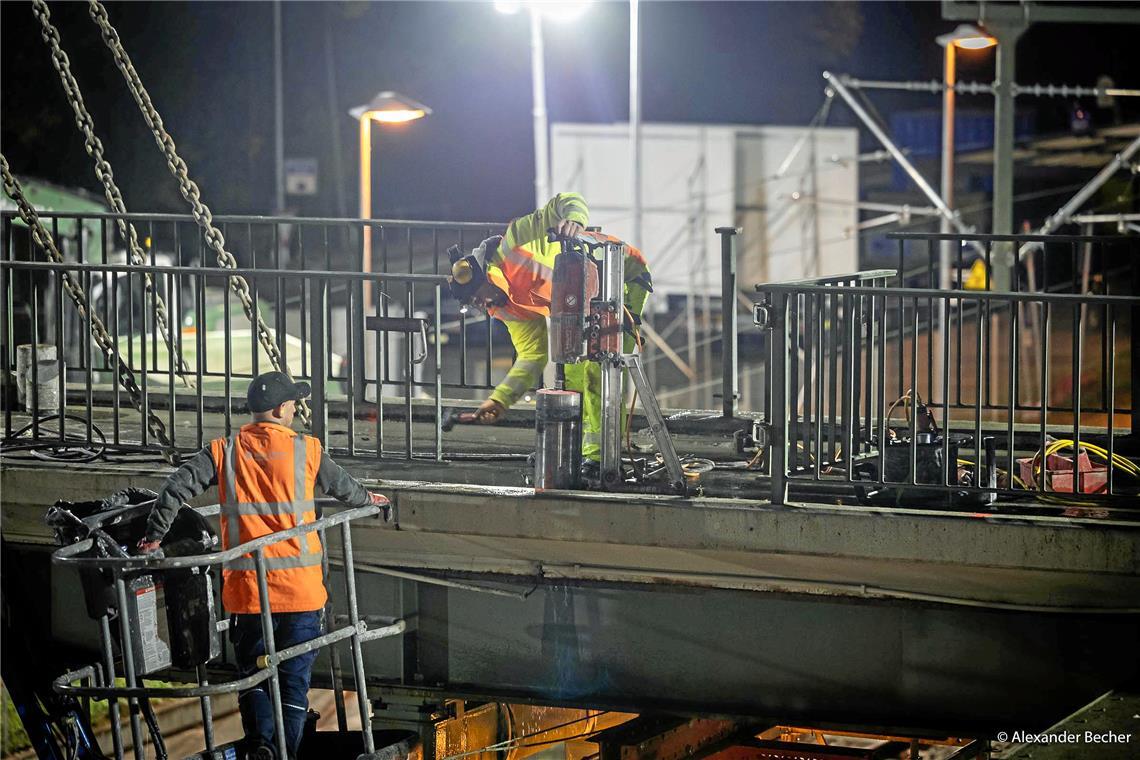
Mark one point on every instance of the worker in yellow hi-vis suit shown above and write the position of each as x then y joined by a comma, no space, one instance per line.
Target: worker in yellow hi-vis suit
510,277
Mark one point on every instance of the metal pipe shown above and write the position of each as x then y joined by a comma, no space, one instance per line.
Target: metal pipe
635,117
612,281
729,358
897,154
129,666
270,646
357,656
112,703
558,439
207,711
1065,213
542,192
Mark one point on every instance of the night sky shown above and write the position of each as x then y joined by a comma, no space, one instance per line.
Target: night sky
209,69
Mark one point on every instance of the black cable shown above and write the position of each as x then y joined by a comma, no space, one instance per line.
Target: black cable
58,451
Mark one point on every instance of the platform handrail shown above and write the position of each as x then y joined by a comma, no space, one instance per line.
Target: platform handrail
66,555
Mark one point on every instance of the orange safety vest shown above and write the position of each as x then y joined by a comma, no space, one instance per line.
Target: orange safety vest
266,479
526,274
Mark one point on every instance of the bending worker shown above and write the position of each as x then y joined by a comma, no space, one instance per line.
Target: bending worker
266,475
510,277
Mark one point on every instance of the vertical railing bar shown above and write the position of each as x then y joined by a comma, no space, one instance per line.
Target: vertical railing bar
794,386
279,290
1077,350
869,381
61,380
958,318
1104,344
228,358
810,379
1111,395
199,354
1044,392
304,305
350,308
462,336
409,367
487,320
985,309
85,356
779,384
255,363
849,374
380,340
437,341
979,388
820,372
106,290
153,313
1014,326
933,285
144,351
173,324
270,644
914,396
901,317
32,390
116,432
944,321
882,372
6,331
385,298
835,347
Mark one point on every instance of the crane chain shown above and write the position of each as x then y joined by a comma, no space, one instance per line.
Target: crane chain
103,172
190,192
103,339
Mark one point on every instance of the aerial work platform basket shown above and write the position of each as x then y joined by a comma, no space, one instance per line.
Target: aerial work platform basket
140,596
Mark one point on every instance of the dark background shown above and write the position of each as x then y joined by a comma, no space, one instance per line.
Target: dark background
209,69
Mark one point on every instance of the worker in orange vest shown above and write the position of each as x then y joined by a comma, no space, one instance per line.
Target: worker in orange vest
267,476
510,278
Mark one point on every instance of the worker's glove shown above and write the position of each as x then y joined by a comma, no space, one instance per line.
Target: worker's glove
490,412
630,323
380,500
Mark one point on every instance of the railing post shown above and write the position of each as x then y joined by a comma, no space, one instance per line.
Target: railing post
318,311
778,438
730,383
359,677
1134,331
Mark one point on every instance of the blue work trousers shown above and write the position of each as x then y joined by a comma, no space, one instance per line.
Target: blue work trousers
256,706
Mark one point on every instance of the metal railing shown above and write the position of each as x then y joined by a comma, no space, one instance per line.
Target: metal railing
100,677
415,345
992,388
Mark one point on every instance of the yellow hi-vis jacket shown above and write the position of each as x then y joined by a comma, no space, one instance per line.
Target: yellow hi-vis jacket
523,268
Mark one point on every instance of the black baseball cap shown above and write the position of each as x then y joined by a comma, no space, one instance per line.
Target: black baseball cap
270,389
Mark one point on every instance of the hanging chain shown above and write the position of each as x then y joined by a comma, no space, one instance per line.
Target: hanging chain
190,192
98,331
103,171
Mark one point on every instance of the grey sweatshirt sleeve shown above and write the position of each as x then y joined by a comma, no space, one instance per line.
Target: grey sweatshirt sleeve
334,481
196,475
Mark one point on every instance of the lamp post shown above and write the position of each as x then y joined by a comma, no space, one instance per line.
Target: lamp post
560,11
385,108
965,37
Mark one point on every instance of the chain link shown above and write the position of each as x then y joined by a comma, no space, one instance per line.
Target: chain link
99,332
190,191
105,175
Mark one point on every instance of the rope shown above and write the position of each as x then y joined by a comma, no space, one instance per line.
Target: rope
103,172
190,192
102,338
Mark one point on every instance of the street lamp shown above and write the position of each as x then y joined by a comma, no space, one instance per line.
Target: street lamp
965,37
385,108
558,11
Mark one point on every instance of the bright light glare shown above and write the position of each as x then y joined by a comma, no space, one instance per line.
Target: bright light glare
555,10
395,117
975,43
